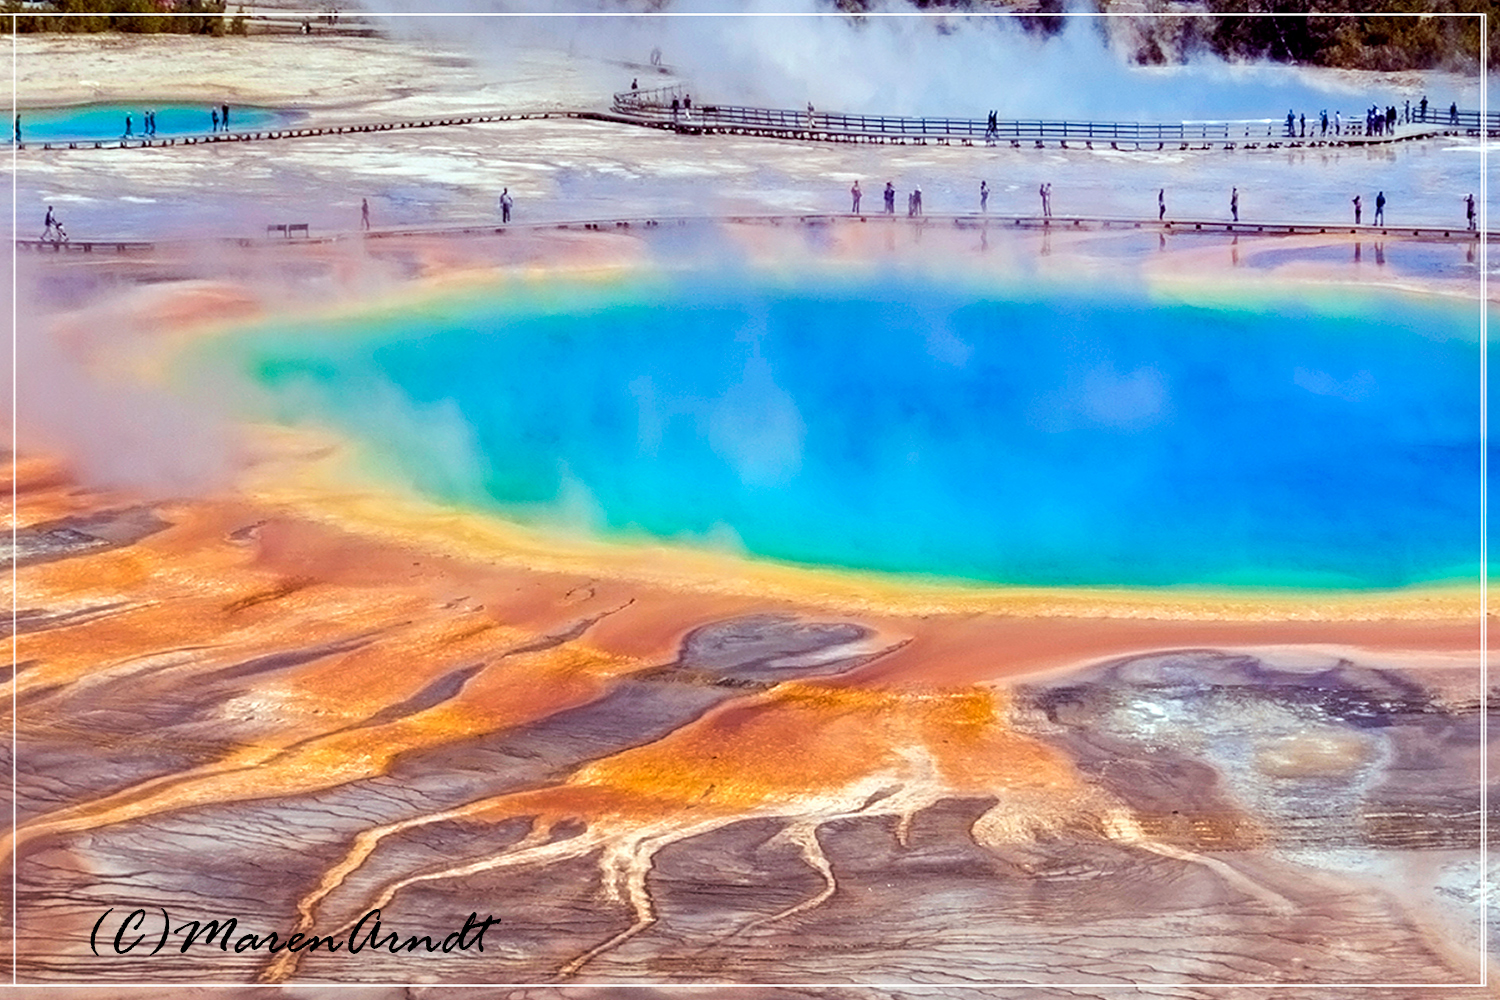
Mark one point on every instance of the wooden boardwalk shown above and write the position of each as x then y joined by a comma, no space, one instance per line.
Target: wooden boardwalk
655,109
990,223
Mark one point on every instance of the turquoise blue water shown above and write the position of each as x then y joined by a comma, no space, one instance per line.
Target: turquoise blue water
107,121
1067,438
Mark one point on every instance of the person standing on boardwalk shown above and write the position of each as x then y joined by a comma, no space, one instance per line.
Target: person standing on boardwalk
1469,209
364,214
18,130
916,201
1338,121
1046,192
1161,204
1380,208
505,203
1234,204
890,198
1356,209
1303,120
214,113
854,194
224,116
634,85
127,125
984,196
1423,107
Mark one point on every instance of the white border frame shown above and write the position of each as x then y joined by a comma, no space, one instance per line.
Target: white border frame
1484,142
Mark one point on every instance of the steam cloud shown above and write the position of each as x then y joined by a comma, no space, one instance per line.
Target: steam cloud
949,64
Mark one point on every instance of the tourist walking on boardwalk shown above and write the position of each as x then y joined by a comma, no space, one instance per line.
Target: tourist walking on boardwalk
49,224
224,116
916,196
1161,204
984,196
1380,208
1423,107
1046,192
634,85
854,193
505,203
18,130
1356,209
1453,113
1338,121
1234,204
1469,209
364,213
1291,122
911,204
890,198
1303,119
214,113
127,125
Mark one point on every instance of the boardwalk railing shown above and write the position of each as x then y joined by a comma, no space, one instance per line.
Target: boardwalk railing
1468,120
719,116
637,101
657,105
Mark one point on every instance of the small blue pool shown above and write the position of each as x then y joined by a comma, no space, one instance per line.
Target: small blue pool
93,122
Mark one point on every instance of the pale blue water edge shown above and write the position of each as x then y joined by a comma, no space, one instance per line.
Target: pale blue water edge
1039,437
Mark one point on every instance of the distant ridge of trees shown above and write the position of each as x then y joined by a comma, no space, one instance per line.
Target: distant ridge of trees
1302,32
1382,36
1379,38
203,17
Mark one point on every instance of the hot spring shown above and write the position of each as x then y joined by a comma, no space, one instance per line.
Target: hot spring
1035,436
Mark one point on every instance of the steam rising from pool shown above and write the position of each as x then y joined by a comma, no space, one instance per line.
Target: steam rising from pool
792,53
1068,438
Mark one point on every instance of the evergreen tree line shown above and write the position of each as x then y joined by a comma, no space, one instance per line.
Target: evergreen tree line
1375,41
195,17
1372,40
